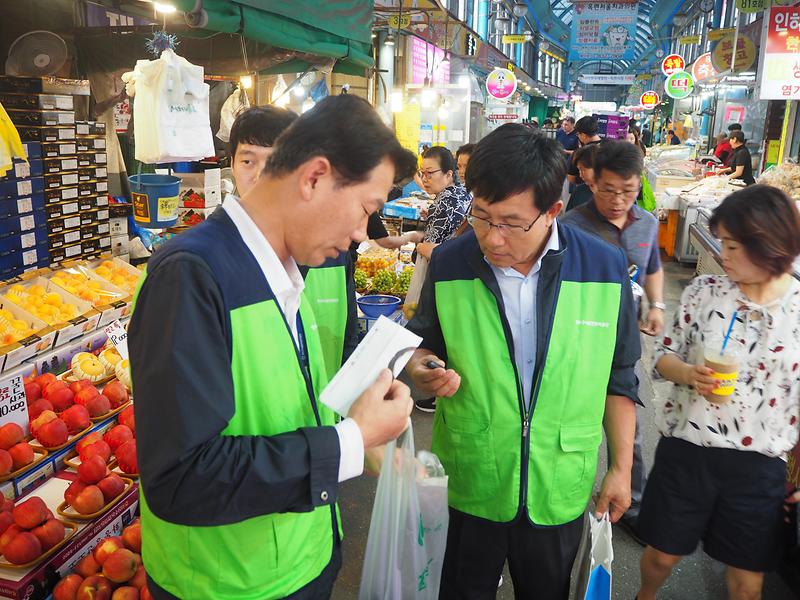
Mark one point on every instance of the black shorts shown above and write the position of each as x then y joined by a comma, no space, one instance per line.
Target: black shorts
732,500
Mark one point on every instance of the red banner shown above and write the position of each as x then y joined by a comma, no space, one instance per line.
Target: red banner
784,30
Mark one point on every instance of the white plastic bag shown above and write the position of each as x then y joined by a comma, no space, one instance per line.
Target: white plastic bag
415,286
408,529
236,104
597,554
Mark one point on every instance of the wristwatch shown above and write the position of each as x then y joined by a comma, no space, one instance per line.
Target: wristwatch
658,305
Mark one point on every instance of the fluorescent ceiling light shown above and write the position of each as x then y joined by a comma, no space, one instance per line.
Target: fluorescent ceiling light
164,8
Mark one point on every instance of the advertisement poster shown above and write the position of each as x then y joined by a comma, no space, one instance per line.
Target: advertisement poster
427,62
501,84
703,68
780,68
722,55
604,30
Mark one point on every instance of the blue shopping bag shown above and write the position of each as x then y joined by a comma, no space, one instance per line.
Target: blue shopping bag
597,554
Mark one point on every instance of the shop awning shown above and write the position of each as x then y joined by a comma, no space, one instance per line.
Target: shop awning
339,29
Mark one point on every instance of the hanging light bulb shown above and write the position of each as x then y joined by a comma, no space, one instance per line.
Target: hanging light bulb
389,41
299,91
308,104
246,81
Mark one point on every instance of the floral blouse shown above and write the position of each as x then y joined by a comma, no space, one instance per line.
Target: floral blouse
447,213
762,415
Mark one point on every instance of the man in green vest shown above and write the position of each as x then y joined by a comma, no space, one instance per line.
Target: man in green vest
529,345
239,462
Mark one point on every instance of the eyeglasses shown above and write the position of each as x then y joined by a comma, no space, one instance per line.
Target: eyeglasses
504,229
428,174
614,194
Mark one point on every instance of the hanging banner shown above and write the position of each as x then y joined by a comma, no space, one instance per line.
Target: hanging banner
751,6
722,54
649,100
593,79
604,30
689,40
672,64
679,85
501,84
780,61
703,68
717,34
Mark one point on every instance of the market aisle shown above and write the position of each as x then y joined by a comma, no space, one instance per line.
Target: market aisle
697,577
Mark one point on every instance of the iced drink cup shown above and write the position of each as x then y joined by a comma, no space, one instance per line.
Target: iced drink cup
726,370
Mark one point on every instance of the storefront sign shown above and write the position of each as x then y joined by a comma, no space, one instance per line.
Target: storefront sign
650,99
703,68
679,85
406,126
717,34
689,40
503,117
100,16
427,61
722,55
751,6
672,64
398,22
501,84
593,79
516,38
604,30
780,61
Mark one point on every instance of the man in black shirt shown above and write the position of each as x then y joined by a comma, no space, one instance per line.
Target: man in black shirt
741,163
587,130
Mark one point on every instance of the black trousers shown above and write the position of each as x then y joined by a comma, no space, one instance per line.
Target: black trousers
540,558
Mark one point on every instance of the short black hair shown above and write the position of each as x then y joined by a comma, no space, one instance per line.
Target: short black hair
619,157
735,127
570,119
584,156
259,126
737,135
766,222
671,132
465,149
587,126
347,131
515,158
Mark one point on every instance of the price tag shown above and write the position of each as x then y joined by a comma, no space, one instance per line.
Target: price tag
27,223
69,179
30,257
72,222
70,208
66,118
73,250
13,406
69,193
24,188
65,149
72,236
82,128
22,170
69,165
119,337
28,240
24,205
66,134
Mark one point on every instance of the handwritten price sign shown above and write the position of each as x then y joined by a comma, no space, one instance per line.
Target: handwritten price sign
13,404
119,337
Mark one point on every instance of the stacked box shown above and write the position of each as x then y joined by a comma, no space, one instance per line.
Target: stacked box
93,188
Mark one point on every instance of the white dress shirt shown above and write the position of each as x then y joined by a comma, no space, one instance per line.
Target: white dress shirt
519,297
287,284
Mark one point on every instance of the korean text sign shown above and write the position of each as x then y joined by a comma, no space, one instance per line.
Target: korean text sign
604,30
780,69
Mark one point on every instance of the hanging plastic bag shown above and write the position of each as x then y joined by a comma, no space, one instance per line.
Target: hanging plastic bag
408,529
597,554
236,104
415,286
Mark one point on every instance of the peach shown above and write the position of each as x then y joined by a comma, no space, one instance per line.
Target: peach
11,434
112,486
132,537
45,417
139,580
21,455
6,521
126,417
77,386
53,434
92,470
106,548
72,492
86,394
45,379
37,407
126,592
61,399
89,500
30,513
49,533
118,435
126,457
120,566
67,588
87,566
53,387
8,535
23,547
7,504
94,588
6,462
98,406
77,418
93,437
100,449
117,393
33,391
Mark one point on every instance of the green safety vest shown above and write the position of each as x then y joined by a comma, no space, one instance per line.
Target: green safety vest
326,290
495,467
274,555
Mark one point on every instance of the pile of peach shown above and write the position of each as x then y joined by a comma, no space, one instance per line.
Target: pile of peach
28,530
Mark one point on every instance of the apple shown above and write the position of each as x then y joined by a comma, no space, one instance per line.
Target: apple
118,435
112,486
72,492
127,418
53,387
45,379
33,391
93,437
139,580
77,386
87,566
53,434
21,455
117,393
92,470
11,434
89,500
126,457
23,547
49,533
77,418
100,449
98,406
126,592
132,537
6,521
67,588
106,548
6,462
120,566
86,394
61,399
94,587
30,513
45,417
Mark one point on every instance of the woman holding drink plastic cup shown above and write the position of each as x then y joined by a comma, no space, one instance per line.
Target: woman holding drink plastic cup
732,417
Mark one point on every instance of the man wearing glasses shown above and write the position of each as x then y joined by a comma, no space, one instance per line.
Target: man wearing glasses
534,325
614,216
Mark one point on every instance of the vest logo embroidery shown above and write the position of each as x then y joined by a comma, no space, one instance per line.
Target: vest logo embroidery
603,325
